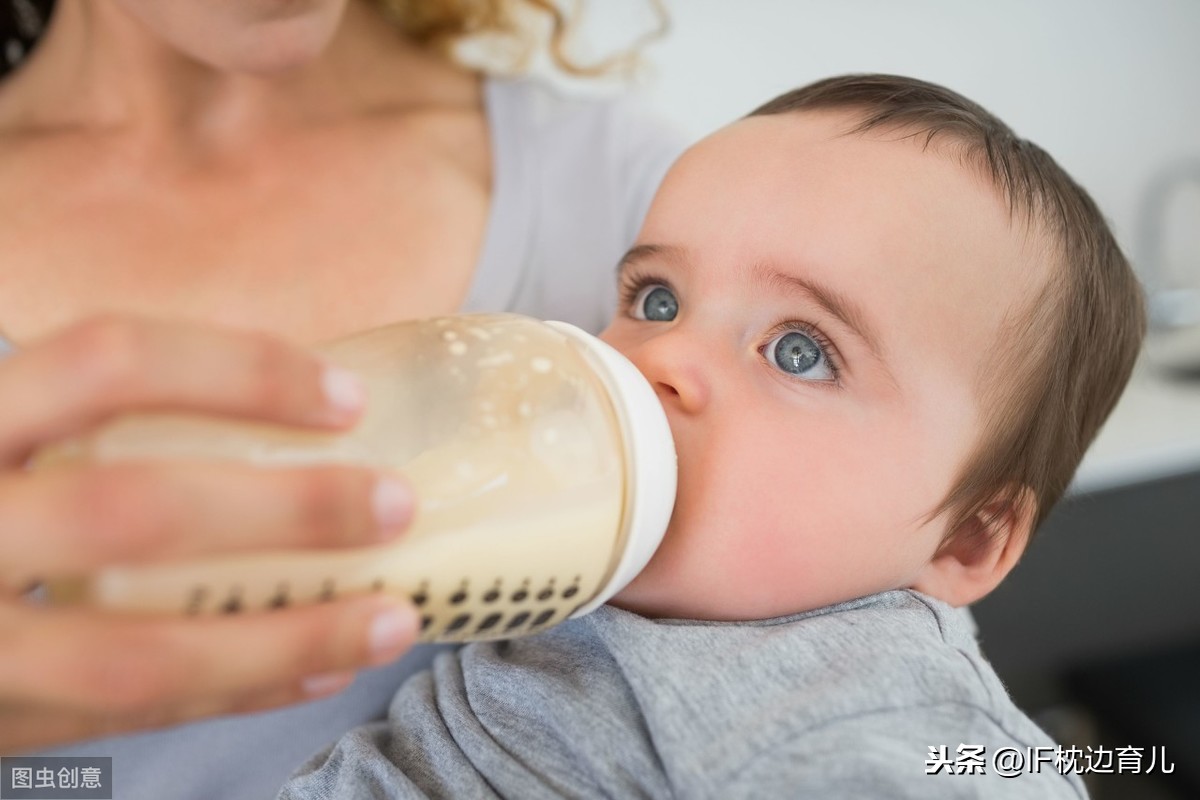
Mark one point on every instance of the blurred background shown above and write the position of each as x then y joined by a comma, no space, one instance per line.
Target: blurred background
1097,632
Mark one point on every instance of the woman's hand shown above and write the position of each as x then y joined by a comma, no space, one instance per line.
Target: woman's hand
70,673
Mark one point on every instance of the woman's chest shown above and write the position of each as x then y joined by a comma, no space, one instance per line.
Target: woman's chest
310,251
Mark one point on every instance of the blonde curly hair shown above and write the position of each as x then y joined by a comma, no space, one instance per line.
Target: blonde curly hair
508,33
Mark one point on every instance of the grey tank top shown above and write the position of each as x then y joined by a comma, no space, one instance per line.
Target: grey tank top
573,178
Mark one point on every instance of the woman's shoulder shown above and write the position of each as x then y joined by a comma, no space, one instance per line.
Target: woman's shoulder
612,123
544,102
572,175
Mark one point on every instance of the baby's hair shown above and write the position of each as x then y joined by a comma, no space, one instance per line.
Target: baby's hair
1070,352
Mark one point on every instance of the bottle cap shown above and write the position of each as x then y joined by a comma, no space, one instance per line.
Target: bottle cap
650,464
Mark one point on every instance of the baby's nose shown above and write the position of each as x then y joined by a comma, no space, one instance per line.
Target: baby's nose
676,369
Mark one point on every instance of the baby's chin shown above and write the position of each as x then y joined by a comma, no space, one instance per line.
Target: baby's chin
678,585
675,586
654,603
652,594
645,604
660,593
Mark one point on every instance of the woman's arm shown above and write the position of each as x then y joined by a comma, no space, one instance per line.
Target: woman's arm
71,673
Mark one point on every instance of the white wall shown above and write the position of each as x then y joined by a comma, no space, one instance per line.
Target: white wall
1111,88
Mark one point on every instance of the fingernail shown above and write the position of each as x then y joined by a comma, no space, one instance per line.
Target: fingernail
391,632
327,683
343,390
392,504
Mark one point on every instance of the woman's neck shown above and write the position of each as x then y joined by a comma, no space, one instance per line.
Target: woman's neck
98,70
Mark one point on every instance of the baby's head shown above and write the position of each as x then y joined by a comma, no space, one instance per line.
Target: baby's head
884,330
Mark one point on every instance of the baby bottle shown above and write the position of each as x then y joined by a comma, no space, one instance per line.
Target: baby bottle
541,459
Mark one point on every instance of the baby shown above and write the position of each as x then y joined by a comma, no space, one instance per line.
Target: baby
884,330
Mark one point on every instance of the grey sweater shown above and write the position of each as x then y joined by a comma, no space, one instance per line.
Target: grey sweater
844,701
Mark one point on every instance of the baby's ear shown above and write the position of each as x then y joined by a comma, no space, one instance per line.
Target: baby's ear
980,552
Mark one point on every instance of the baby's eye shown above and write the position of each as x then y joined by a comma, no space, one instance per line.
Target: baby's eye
798,354
654,303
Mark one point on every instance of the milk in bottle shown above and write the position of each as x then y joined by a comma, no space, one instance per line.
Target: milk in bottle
541,460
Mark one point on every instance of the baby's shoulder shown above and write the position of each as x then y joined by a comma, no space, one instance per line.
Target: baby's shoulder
944,750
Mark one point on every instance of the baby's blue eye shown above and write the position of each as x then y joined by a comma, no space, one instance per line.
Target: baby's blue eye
655,303
798,354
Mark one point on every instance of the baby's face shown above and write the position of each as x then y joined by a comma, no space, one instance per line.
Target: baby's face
814,310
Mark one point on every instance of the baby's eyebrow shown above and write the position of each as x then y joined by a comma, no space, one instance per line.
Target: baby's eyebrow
643,251
834,302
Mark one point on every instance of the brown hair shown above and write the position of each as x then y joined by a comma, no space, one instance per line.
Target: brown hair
511,26
1071,352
